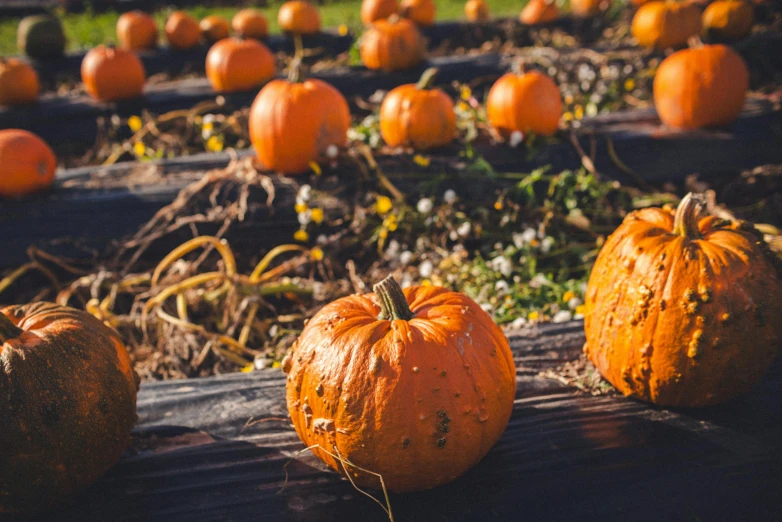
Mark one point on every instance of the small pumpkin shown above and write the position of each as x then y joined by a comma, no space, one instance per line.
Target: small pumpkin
417,115
415,385
524,102
728,19
214,28
298,17
112,74
586,8
394,44
233,64
182,31
664,24
18,83
476,11
701,87
422,12
41,37
373,10
539,12
27,165
680,308
249,23
68,404
136,30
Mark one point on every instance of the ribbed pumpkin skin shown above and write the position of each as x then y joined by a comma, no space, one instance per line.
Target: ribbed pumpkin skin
373,10
418,401
421,118
299,17
249,23
27,164
528,102
214,28
392,45
182,31
136,30
701,87
422,12
679,321
539,12
41,36
111,74
728,19
665,24
19,83
476,11
67,405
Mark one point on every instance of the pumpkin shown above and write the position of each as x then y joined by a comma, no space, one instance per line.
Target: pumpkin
233,64
524,102
27,165
539,12
111,74
728,19
476,11
298,17
701,87
18,82
214,28
41,36
293,123
68,404
680,308
422,12
182,31
392,45
136,30
417,115
373,10
665,24
415,385
586,8
249,23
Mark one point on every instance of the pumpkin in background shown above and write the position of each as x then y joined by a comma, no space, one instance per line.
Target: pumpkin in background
249,23
665,24
586,8
68,404
136,30
298,17
728,19
27,165
524,102
41,37
18,83
701,87
415,385
373,10
476,11
233,64
182,31
682,310
111,74
422,12
214,28
417,115
392,45
539,12
293,123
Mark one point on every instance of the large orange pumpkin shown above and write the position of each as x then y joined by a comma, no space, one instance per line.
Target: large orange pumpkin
422,12
539,12
214,28
476,11
525,102
664,24
680,308
701,87
414,385
373,10
392,45
249,23
111,74
182,31
298,17
27,165
136,30
728,19
417,115
18,83
234,65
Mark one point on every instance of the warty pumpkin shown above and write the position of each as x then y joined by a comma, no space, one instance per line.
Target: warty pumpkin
681,309
476,11
67,404
41,37
728,19
539,12
394,44
18,82
664,24
422,12
234,65
417,115
587,8
414,385
112,74
136,30
373,10
214,28
249,23
27,164
182,31
701,87
524,102
298,17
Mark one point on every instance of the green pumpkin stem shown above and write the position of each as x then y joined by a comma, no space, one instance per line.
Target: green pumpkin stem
427,79
393,303
688,213
8,330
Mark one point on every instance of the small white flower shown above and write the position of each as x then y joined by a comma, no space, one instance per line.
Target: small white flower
578,316
464,229
538,280
206,133
424,205
487,308
425,269
573,303
516,137
519,322
407,280
582,287
208,118
562,316
393,248
501,287
322,240
305,217
305,191
332,151
518,239
261,362
449,196
502,265
405,257
528,235
452,235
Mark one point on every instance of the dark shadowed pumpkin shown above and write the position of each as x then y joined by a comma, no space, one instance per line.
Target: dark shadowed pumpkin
182,31
422,12
41,36
728,19
298,17
27,163
136,30
373,10
234,65
112,74
524,102
18,82
476,11
249,23
664,24
539,12
214,28
394,44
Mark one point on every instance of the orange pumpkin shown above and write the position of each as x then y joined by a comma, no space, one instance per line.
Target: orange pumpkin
18,83
234,65
539,12
373,10
293,123
587,8
525,102
69,404
27,165
728,19
476,11
298,17
415,385
417,115
680,308
392,45
665,24
214,28
701,87
182,31
422,12
136,30
111,74
249,23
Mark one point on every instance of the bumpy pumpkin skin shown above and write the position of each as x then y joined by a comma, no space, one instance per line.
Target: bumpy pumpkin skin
27,164
683,320
422,12
539,12
664,24
111,74
298,17
19,83
728,19
67,405
373,10
392,45
182,31
249,23
234,65
137,30
419,401
528,102
41,37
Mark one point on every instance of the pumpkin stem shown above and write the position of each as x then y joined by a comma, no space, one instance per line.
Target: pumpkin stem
518,67
685,221
695,42
394,18
8,330
427,79
393,303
